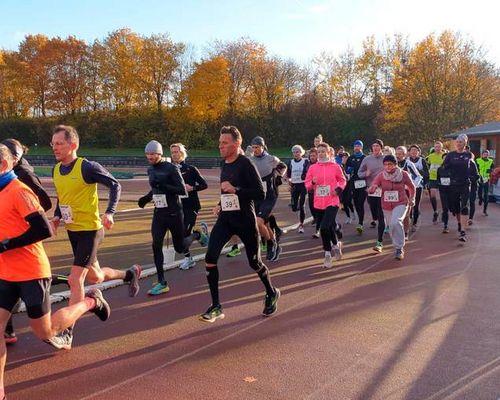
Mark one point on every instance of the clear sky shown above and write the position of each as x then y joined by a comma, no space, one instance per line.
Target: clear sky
298,29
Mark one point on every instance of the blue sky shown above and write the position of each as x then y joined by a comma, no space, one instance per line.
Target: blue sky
298,29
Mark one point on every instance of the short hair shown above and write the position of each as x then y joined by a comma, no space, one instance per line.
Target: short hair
438,141
402,148
319,136
313,150
415,146
379,142
388,150
233,131
5,154
70,133
182,149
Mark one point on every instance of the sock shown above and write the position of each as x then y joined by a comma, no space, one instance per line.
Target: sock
264,277
434,203
90,302
213,284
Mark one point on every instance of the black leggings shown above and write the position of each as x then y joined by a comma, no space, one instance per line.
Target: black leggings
416,208
299,199
162,222
375,204
472,201
310,201
347,201
359,197
484,194
443,195
243,226
328,227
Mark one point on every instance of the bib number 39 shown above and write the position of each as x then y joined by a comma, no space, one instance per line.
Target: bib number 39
229,202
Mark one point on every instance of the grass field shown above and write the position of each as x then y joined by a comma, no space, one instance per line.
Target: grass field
88,151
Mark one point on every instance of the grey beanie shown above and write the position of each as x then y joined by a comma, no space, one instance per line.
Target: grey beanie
154,147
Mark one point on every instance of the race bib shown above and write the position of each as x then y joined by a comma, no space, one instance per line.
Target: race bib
417,180
229,202
376,193
445,181
160,200
66,214
391,196
296,176
359,184
323,191
434,167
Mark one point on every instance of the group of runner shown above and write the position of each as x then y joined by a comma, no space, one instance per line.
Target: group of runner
392,181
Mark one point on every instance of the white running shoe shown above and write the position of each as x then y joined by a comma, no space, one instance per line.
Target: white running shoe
337,251
327,263
301,228
187,263
348,220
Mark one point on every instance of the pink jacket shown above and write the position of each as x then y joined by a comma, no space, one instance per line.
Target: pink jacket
329,176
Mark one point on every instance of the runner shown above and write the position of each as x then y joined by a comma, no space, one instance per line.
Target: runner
25,173
474,183
194,183
75,180
346,198
327,180
269,167
241,185
313,159
394,184
356,185
296,173
370,167
485,166
461,167
435,159
25,269
167,186
415,157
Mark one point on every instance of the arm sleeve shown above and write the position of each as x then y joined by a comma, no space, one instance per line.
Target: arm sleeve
289,169
94,172
304,170
308,180
200,182
378,180
362,168
409,184
425,171
38,230
473,171
254,189
176,184
341,179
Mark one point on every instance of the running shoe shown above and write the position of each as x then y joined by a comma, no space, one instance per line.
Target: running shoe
485,213
133,284
463,236
316,235
337,251
327,262
470,222
446,229
62,341
212,314
301,228
102,308
399,254
435,218
277,253
407,236
10,337
373,224
204,234
271,303
187,263
271,251
263,247
378,247
348,220
234,252
158,289
359,229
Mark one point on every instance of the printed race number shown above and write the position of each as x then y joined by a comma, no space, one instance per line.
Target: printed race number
66,214
359,184
445,181
323,191
376,193
391,196
160,200
229,202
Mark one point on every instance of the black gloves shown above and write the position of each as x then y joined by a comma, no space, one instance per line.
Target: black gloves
143,201
338,191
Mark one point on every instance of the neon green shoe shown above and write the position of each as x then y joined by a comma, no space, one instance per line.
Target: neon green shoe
263,247
158,289
234,252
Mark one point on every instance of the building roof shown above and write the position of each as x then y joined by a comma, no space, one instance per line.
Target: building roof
490,128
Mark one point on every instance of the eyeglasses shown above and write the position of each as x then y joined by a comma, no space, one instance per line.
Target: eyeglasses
57,144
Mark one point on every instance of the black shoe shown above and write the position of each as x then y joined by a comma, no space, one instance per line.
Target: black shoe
271,251
277,253
277,233
373,224
446,229
212,314
271,303
435,217
463,237
102,308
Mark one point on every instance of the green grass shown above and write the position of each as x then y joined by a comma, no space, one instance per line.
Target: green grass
47,172
89,151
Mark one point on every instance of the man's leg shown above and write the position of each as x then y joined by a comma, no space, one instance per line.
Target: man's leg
4,317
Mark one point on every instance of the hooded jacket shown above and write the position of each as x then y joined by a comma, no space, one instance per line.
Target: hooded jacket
327,174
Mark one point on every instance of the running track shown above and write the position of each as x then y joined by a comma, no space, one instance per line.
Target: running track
371,328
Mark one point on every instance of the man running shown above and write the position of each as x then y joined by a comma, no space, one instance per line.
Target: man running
356,185
370,167
240,185
269,167
296,173
194,183
167,186
25,269
485,166
435,160
76,180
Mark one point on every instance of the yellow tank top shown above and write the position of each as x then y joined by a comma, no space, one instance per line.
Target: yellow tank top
435,161
78,200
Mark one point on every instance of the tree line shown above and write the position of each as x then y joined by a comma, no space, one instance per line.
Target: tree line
127,88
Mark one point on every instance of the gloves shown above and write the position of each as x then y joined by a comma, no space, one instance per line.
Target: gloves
143,201
338,191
